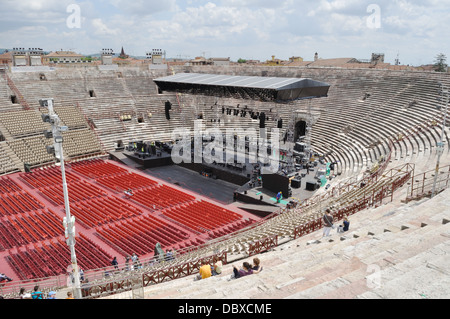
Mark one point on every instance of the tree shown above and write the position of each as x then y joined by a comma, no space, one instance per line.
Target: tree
242,61
440,63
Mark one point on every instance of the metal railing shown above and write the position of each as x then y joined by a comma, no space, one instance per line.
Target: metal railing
362,200
422,185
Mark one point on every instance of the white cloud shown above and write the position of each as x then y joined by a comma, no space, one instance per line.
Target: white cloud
236,28
101,29
144,7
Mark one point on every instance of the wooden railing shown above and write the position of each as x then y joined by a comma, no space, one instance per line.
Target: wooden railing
124,282
261,246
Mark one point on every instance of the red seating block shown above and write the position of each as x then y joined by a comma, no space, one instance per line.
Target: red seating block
140,235
202,216
46,177
123,182
160,197
96,168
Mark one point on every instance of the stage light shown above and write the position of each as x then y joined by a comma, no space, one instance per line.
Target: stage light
50,150
59,139
43,103
48,134
45,118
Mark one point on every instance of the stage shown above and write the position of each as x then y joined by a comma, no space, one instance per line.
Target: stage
145,155
246,184
261,195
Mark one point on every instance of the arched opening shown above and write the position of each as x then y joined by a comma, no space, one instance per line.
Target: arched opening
300,130
14,99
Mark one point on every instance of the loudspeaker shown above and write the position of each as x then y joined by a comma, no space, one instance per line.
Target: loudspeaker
280,124
262,120
299,147
296,183
168,108
311,186
27,167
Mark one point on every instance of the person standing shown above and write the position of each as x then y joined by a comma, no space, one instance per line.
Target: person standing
127,263
115,263
328,222
135,261
279,197
159,253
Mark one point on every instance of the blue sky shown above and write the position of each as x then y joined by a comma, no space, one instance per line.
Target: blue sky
252,29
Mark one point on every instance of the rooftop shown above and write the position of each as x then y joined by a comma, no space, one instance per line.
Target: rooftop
280,88
63,54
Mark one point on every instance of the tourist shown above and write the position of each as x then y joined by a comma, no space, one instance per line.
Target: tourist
81,274
3,278
328,222
169,255
134,259
115,263
136,262
127,263
344,227
204,272
37,294
246,270
70,295
22,293
51,295
217,267
279,197
159,252
85,288
257,268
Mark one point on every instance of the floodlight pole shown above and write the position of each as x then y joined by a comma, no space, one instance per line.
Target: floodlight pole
69,222
440,147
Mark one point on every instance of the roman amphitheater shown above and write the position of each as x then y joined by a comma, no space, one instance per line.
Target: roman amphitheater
381,127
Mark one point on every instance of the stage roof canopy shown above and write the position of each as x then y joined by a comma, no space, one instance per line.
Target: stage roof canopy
244,87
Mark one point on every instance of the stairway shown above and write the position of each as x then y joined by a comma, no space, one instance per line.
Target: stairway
19,95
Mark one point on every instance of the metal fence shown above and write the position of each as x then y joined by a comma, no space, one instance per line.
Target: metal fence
422,185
